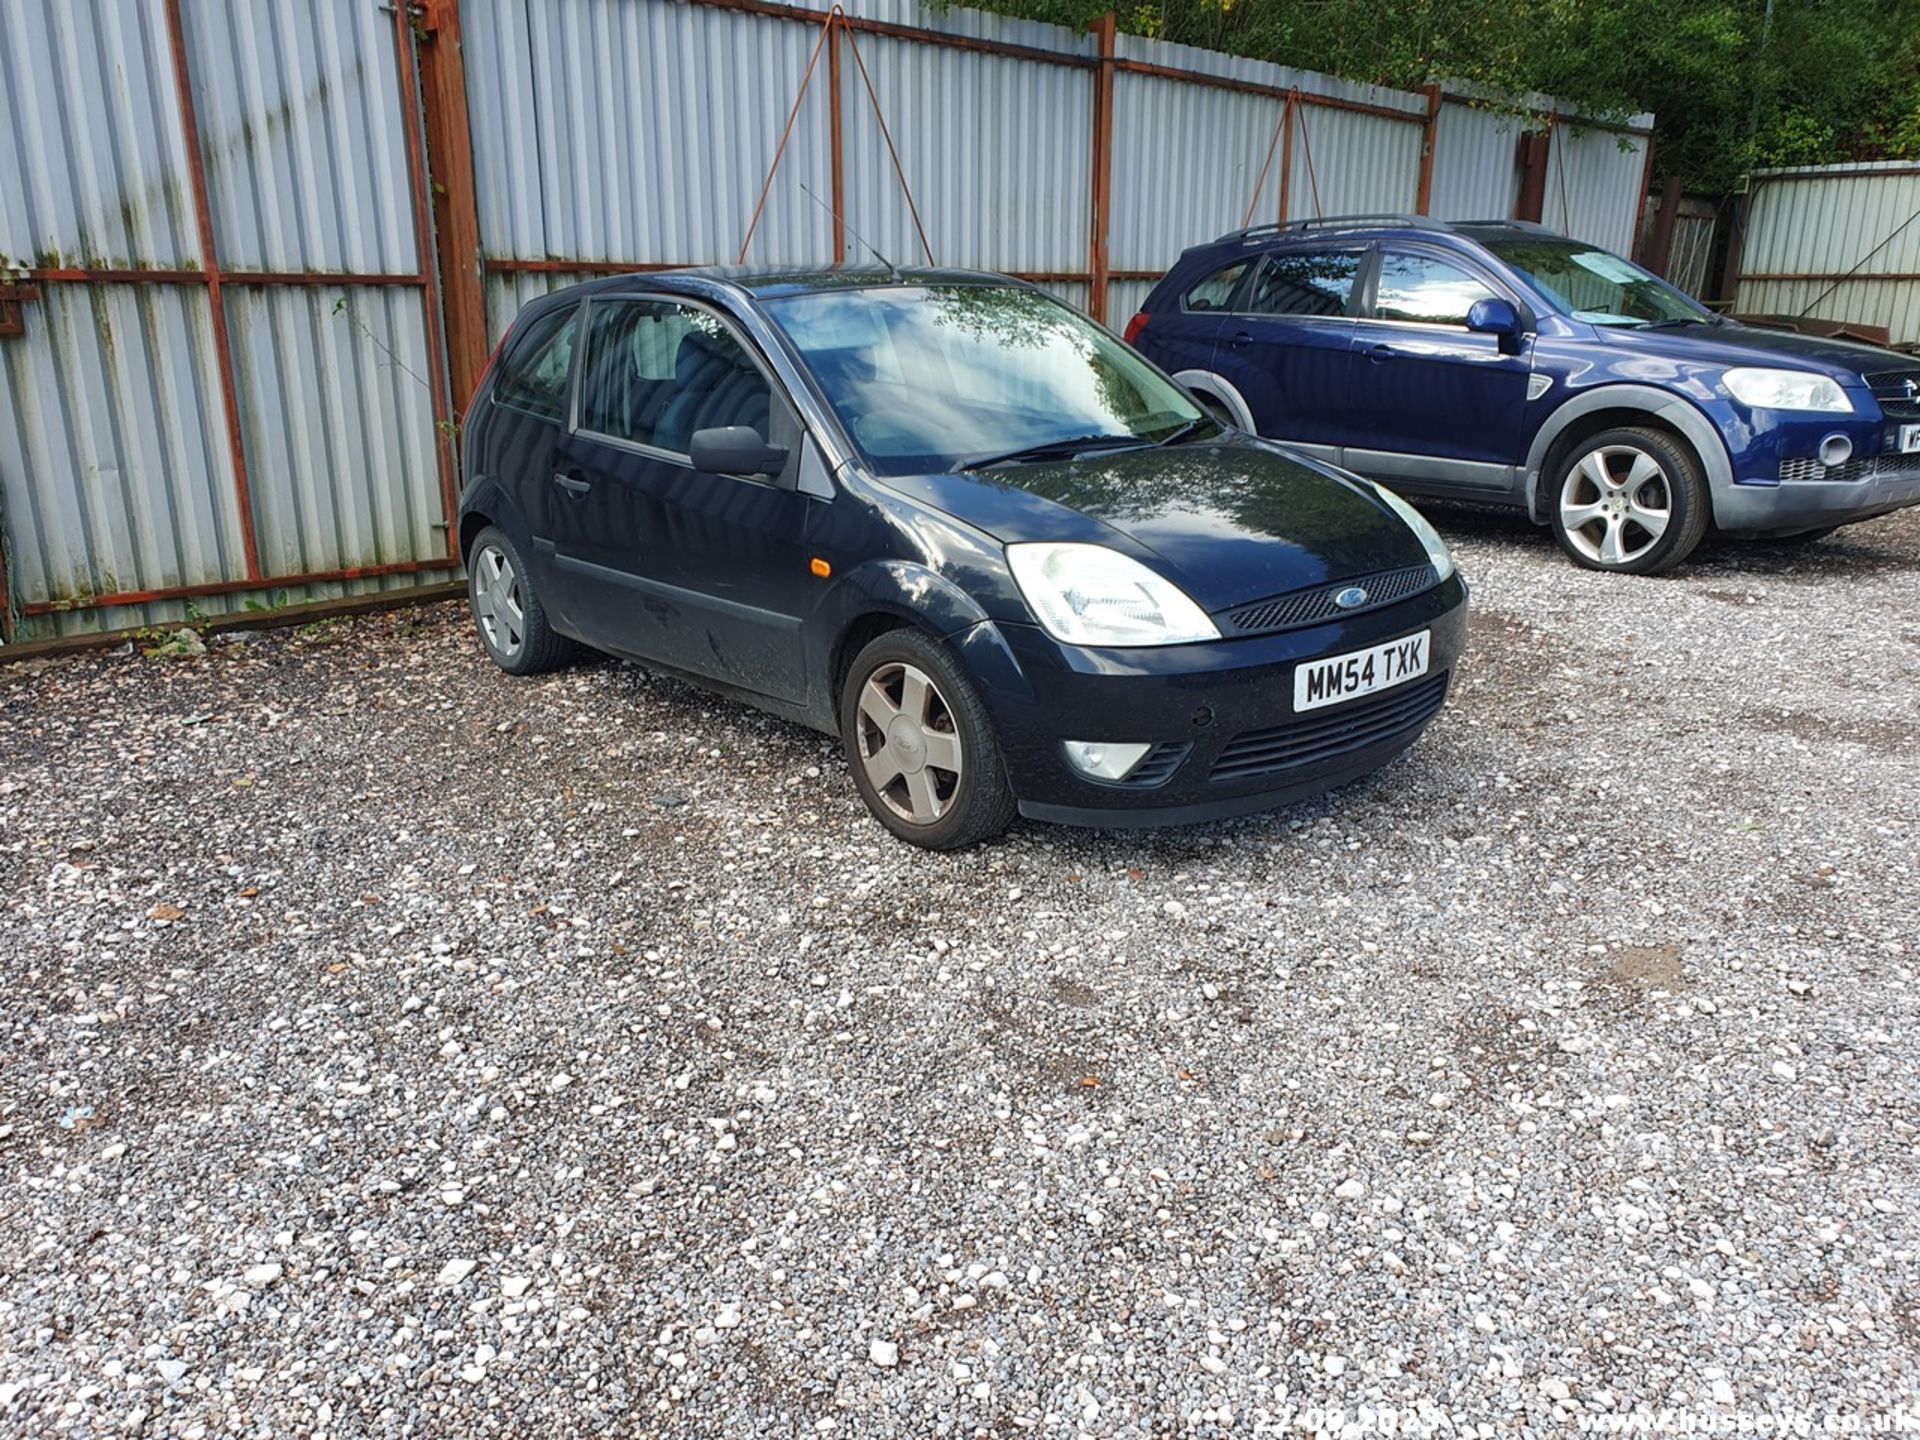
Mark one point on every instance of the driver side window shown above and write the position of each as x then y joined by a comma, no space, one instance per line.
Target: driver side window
658,371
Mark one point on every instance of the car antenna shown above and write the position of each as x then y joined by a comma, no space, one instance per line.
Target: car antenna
893,270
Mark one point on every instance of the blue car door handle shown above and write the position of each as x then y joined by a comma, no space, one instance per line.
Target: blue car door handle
1240,341
572,484
1378,353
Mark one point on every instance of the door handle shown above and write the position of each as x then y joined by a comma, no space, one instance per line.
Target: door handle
1379,353
1240,341
572,484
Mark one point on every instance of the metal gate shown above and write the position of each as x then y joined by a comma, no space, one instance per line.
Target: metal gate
222,378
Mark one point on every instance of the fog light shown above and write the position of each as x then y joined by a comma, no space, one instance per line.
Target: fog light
1104,759
1836,449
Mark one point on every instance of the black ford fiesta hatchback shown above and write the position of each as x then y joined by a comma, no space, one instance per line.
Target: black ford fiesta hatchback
945,517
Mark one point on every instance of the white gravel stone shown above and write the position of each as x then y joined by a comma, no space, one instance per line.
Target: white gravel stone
1662,837
454,1271
883,1353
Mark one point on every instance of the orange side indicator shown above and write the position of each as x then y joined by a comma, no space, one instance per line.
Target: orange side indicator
820,567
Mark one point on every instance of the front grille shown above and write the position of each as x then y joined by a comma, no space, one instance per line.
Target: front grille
1311,607
1889,388
1877,467
1351,727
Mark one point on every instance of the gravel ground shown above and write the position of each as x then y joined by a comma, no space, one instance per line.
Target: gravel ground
392,1047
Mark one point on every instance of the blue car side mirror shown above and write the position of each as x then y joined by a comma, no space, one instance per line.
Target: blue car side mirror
1494,316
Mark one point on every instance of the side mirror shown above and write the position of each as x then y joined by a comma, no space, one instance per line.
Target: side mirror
1497,317
735,450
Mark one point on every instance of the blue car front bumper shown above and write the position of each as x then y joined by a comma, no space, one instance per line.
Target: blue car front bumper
1780,487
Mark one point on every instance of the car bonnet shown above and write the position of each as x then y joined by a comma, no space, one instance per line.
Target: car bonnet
1228,521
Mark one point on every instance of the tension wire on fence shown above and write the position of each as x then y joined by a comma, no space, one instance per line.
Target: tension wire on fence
887,135
835,16
780,150
1272,145
1306,148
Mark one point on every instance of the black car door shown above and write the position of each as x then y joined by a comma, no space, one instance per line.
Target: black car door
706,573
525,431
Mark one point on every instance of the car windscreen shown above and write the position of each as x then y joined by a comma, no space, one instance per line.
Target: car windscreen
1598,286
925,376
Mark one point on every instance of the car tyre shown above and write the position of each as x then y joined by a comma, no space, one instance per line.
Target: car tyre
507,613
921,745
1631,500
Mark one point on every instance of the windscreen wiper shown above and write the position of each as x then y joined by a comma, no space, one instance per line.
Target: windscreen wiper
1047,449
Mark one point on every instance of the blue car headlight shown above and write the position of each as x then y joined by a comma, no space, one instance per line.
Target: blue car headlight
1786,390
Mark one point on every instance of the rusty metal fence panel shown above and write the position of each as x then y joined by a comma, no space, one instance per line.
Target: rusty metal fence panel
1837,243
222,366
227,382
622,135
1595,182
1475,176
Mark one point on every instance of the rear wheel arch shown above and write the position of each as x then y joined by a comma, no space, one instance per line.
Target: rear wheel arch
1207,385
472,522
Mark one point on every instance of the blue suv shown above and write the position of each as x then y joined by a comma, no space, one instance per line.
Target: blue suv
1497,361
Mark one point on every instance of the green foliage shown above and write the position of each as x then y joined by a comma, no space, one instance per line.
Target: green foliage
1827,80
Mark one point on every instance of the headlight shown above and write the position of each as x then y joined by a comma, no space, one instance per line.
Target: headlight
1437,551
1786,390
1090,595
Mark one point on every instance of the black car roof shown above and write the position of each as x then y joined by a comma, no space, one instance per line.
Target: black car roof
768,281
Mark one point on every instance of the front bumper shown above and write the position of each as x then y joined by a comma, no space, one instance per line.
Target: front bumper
1780,488
1791,506
1220,715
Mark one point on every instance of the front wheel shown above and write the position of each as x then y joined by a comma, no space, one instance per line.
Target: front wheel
1633,501
921,744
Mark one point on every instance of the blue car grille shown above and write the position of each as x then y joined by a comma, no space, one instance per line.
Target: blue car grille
1877,467
1889,388
1313,607
1316,740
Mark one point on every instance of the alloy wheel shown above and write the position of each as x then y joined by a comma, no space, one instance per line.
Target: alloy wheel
497,602
909,743
1615,504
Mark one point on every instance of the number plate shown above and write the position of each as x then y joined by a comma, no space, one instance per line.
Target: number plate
1909,439
1339,678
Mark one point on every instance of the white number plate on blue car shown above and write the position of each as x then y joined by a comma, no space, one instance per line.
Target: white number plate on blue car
1363,672
1909,439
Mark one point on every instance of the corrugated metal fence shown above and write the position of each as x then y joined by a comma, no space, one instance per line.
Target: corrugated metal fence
234,369
228,375
1835,242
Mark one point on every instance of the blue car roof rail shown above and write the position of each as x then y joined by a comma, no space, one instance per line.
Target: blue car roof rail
1527,227
1385,219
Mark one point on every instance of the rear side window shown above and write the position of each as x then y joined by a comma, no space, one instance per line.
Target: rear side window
1306,283
1425,290
1214,292
658,371
535,368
